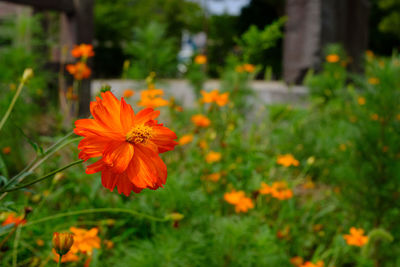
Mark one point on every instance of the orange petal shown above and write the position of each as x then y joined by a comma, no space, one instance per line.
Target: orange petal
126,116
145,115
118,155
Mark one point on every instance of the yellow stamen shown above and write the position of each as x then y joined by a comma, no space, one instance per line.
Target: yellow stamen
139,134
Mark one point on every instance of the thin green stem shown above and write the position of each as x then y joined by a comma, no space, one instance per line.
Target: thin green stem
88,211
43,177
12,104
59,261
15,247
100,210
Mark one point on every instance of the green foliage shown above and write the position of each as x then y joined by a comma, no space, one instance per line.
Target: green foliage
151,51
254,41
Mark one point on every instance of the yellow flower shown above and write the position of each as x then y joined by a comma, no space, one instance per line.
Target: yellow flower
343,147
214,177
186,139
373,80
200,59
374,117
213,157
361,100
332,58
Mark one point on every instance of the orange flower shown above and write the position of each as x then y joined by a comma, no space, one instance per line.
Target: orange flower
85,240
80,70
249,67
13,219
214,177
209,97
332,58
278,190
287,160
361,100
297,261
203,144
356,237
373,81
151,98
239,199
200,59
128,93
82,50
215,96
213,157
310,264
374,117
6,150
186,139
201,120
127,143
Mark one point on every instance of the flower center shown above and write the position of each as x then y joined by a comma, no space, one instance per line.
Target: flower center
139,134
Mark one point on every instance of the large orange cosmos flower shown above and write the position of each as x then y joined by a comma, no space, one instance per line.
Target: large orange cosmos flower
127,143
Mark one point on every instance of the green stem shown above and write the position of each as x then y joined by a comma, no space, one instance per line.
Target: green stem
42,178
100,210
59,261
11,106
15,247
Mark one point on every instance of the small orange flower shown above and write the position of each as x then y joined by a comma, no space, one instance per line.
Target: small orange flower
249,67
213,156
186,139
356,237
80,70
203,144
151,98
13,219
200,59
297,261
245,68
128,93
214,177
374,117
342,147
85,240
239,199
278,190
332,58
310,264
361,100
6,150
287,160
373,81
201,120
215,96
82,50
127,143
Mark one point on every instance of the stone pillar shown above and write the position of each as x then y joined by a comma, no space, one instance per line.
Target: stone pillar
313,24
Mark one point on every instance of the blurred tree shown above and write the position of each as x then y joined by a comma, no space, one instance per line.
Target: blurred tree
262,13
384,25
115,20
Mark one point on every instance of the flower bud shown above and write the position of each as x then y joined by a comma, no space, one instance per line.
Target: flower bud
175,216
62,242
28,73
